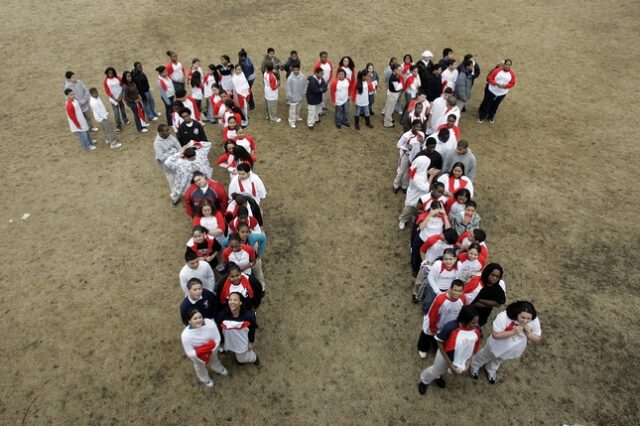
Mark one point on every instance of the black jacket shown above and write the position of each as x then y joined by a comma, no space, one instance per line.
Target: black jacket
432,87
315,89
141,81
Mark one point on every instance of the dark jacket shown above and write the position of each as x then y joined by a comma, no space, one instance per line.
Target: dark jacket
315,89
432,86
186,133
288,66
141,81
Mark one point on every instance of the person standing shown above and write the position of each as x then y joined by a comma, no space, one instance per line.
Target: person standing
270,58
249,72
142,83
189,130
432,85
167,92
176,71
241,93
191,157
462,154
77,122
165,145
295,90
195,268
340,90
198,298
113,88
292,62
409,146
316,89
499,82
239,327
393,94
101,116
360,97
327,73
132,97
82,95
464,83
201,341
271,85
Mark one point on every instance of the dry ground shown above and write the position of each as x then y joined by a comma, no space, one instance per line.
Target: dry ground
89,293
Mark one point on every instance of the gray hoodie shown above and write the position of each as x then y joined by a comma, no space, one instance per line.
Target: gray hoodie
81,91
165,148
469,160
296,88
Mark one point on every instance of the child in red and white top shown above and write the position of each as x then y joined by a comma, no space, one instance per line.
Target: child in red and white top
499,82
430,250
219,107
229,130
457,203
470,263
432,222
176,71
113,88
360,97
201,340
407,63
195,66
512,330
445,308
455,180
271,85
327,74
349,67
241,93
339,91
409,146
197,86
248,183
175,115
457,342
210,91
412,85
236,201
245,141
436,194
244,256
205,246
234,156
418,109
212,219
474,236
190,103
77,122
238,325
167,91
451,124
439,279
231,110
242,216
449,75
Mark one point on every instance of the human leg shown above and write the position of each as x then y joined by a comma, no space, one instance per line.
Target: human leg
493,107
85,139
312,114
389,107
116,115
293,114
483,110
201,371
246,357
256,271
437,369
425,342
408,214
401,172
134,110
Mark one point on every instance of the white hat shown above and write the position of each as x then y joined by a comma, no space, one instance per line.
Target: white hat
427,54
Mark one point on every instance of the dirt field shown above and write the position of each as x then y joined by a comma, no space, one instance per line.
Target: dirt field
89,290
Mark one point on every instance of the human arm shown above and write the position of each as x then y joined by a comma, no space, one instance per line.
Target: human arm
446,356
71,112
189,350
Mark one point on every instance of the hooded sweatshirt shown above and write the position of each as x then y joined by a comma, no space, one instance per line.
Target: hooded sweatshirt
296,88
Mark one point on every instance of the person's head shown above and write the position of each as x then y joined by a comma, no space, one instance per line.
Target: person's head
238,69
447,53
450,236
110,72
240,199
418,108
393,61
430,144
242,214
468,65
223,95
319,72
195,318
397,69
324,56
162,71
196,79
200,179
456,290
240,133
185,114
346,61
451,120
189,154
506,65
427,56
443,135
295,69
127,78
242,54
416,126
451,101
172,55
93,92
451,64
164,131
231,122
468,57
191,258
457,170
199,233
521,311
463,147
137,66
229,145
437,70
70,76
447,92
473,252
244,170
449,257
181,93
206,209
342,74
269,66
235,273
468,317
224,59
470,208
271,52
294,55
369,68
69,94
194,285
437,190
243,231
478,235
462,195
195,63
492,274
407,59
234,242
414,70
235,302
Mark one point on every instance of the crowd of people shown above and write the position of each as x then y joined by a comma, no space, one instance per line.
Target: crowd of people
222,280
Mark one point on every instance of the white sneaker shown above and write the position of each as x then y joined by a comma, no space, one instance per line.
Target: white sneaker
299,119
93,141
278,120
293,126
91,148
146,125
94,129
154,119
423,355
401,225
224,373
144,130
158,114
115,145
209,384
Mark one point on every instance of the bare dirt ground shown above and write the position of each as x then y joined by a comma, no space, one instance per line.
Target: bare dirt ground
89,290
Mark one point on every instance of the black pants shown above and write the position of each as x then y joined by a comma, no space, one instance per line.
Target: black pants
252,103
489,105
425,342
416,259
169,110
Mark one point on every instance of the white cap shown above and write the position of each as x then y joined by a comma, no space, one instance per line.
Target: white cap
427,54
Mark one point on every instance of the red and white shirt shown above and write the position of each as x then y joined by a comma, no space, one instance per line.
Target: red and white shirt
434,247
339,91
270,86
451,184
443,310
500,76
469,268
176,72
433,227
200,343
77,122
242,257
440,277
512,347
460,343
327,70
113,89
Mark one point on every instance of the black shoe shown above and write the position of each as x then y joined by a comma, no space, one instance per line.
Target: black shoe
473,375
464,109
492,381
346,124
404,190
257,362
395,190
338,126
422,388
414,299
441,383
310,127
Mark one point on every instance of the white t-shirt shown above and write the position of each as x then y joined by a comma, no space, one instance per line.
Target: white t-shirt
511,347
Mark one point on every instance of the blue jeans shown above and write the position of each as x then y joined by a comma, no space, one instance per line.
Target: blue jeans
118,112
398,107
362,109
254,237
85,139
134,110
210,116
342,114
149,105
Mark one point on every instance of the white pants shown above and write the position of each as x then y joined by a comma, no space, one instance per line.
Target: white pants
246,357
272,110
488,359
389,106
324,100
214,363
294,113
437,369
312,114
170,175
402,177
